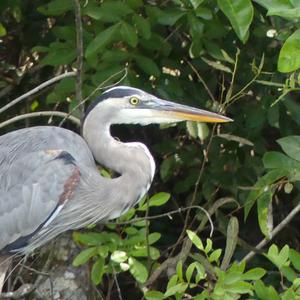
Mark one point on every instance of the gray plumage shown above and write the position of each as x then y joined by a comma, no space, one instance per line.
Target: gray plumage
50,183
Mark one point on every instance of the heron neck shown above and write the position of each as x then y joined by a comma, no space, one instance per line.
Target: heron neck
131,159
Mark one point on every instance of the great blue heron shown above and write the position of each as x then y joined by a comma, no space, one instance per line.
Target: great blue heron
49,182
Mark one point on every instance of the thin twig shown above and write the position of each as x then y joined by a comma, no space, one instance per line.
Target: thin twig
229,98
109,289
21,292
202,81
187,244
168,214
117,284
229,92
79,48
17,81
40,114
147,234
36,89
197,184
99,87
274,232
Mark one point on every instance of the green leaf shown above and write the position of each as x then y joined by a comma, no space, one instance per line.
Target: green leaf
84,256
103,251
289,59
189,271
291,146
296,282
196,27
159,199
254,274
292,13
172,281
97,271
215,255
192,129
277,160
237,267
2,30
208,246
135,3
153,237
204,13
232,277
166,17
261,290
195,239
295,258
167,167
262,185
138,270
142,251
65,86
59,54
289,273
89,238
265,293
240,287
197,130
231,241
56,7
293,108
65,32
147,65
143,26
128,34
196,3
281,161
154,295
179,271
176,289
108,11
240,15
279,259
117,9
40,49
273,4
103,39
217,65
263,203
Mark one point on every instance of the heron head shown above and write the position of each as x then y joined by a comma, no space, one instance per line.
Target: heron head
127,105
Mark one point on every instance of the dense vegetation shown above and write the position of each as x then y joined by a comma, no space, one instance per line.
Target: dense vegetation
238,57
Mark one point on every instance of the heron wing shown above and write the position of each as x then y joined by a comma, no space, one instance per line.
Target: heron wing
36,187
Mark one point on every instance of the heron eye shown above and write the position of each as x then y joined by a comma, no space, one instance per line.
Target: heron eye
134,101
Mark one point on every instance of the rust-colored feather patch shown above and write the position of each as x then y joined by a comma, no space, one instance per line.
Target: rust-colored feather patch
70,186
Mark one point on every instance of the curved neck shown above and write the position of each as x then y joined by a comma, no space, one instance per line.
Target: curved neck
133,159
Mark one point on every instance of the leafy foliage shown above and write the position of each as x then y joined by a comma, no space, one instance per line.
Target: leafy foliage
235,56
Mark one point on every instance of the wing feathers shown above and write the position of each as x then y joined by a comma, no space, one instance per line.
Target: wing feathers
40,183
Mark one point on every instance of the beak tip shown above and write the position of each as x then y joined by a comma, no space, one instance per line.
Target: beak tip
226,119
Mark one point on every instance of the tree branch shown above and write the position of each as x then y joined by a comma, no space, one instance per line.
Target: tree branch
79,46
168,214
277,229
202,81
187,244
36,89
21,292
99,87
41,114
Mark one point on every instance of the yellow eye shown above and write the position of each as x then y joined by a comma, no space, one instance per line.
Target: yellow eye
134,101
